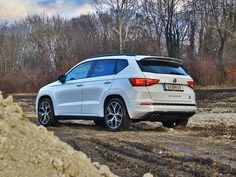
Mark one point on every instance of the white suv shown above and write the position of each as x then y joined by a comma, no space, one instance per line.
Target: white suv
116,90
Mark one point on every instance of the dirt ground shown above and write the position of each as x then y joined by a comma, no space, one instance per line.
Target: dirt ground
207,147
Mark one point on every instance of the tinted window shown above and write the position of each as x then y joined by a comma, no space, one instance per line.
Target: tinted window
161,67
80,71
104,67
121,64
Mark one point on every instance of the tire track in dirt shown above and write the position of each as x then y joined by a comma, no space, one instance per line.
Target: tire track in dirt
161,156
122,155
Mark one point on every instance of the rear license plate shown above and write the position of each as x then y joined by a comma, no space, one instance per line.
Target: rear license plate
171,87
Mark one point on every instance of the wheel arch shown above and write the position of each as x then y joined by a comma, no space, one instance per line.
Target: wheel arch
42,97
109,97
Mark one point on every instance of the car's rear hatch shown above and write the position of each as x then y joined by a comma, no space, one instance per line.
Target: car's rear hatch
173,86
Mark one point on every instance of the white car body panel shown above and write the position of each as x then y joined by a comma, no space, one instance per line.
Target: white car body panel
68,98
158,94
94,92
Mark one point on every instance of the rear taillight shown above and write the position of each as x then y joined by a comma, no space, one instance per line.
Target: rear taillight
143,81
191,84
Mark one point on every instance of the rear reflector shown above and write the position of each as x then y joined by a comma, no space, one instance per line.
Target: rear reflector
146,104
191,84
143,81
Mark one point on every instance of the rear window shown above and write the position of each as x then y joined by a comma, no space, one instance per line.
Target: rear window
161,67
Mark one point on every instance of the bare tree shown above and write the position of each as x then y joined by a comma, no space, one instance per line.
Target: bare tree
219,24
172,33
123,12
39,47
154,12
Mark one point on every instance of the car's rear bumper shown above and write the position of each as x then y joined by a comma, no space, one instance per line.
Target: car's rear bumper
165,116
160,112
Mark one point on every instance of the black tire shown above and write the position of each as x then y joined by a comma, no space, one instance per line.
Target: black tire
168,124
120,119
45,107
99,122
182,123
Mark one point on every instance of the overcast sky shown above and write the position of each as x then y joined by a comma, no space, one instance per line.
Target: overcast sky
14,9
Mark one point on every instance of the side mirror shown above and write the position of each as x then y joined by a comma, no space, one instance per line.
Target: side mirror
62,78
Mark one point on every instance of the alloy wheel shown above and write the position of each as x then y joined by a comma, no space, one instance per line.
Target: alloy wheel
44,112
114,115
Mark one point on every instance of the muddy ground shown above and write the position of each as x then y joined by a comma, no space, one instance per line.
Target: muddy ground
207,147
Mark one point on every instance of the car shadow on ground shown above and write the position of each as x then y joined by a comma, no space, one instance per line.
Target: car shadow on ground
80,124
90,125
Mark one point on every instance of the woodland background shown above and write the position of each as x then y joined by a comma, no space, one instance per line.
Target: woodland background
36,49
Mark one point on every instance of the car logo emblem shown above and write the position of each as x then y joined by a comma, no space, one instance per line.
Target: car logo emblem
174,80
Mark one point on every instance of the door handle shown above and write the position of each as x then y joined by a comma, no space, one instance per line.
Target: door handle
107,82
79,85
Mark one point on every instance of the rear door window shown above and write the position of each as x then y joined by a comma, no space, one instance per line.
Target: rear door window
161,67
121,64
104,68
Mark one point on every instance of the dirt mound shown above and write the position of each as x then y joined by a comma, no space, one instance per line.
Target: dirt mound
28,150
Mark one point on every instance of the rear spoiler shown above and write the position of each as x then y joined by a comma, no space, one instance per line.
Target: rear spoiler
165,59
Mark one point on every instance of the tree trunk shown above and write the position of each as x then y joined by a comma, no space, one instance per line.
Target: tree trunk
120,35
220,63
192,40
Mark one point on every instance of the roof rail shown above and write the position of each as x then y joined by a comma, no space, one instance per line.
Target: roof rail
115,54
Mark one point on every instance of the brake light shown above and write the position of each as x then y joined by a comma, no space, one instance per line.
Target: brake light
191,84
143,81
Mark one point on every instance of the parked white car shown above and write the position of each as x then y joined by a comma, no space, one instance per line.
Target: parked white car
116,90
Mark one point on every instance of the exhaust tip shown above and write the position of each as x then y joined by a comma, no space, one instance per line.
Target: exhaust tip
154,116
